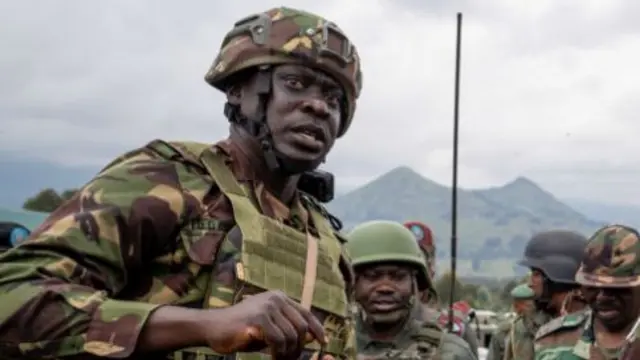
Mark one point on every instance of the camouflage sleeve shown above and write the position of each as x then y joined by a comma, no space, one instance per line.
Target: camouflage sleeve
57,289
454,348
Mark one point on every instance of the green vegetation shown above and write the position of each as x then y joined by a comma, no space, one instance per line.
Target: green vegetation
48,200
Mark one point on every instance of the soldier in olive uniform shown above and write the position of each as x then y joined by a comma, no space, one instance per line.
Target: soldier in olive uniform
390,274
553,257
429,297
185,250
610,274
522,297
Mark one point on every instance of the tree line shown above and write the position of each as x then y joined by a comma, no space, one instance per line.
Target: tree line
48,200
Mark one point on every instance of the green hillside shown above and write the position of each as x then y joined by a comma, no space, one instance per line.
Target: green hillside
493,224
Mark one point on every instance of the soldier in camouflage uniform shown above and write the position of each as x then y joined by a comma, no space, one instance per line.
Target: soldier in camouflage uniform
429,297
553,258
390,273
194,251
610,274
522,297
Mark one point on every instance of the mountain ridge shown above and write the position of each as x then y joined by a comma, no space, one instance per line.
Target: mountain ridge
493,223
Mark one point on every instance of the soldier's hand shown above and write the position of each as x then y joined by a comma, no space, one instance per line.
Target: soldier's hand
270,319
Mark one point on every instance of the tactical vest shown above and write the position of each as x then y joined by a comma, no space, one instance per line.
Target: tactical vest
272,256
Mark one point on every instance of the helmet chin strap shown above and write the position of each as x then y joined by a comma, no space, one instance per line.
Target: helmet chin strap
258,127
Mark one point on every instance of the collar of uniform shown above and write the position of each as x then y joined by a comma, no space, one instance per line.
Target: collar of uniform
295,216
412,324
238,160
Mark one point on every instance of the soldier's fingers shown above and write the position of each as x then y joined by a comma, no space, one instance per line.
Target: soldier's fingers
292,339
273,336
314,326
296,319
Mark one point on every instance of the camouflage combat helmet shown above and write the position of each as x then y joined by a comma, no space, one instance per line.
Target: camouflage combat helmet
387,241
611,258
289,36
522,292
557,253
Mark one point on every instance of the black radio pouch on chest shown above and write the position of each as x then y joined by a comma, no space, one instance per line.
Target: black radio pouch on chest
319,184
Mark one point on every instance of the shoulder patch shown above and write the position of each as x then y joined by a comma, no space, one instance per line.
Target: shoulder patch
569,321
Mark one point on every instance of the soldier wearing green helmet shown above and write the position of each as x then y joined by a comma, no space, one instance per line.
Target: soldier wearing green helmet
186,250
391,272
610,276
522,296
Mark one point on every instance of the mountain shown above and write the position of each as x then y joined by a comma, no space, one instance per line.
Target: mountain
493,224
611,213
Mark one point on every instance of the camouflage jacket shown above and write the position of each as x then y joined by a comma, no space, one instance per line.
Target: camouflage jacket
571,337
519,341
157,227
498,340
421,338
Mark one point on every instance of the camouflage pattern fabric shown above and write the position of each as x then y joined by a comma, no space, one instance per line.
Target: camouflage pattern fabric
290,36
568,337
421,339
611,258
152,228
519,342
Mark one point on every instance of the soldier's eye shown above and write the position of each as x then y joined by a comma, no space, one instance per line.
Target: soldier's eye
294,82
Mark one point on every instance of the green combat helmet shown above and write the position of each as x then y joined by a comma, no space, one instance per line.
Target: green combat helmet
289,36
522,292
387,241
611,258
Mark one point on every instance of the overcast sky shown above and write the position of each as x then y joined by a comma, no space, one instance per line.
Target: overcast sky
550,89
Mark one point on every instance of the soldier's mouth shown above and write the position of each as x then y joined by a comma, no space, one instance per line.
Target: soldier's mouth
384,306
607,313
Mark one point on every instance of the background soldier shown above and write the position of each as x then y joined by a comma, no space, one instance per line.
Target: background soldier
610,274
125,268
429,297
553,257
390,274
522,297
